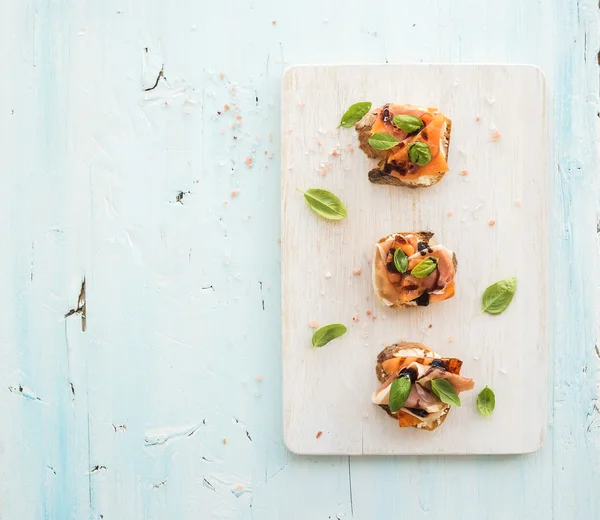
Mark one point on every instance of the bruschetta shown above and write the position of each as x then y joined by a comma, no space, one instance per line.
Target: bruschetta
414,148
410,269
421,369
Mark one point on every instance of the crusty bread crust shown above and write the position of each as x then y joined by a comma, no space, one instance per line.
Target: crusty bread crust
382,375
378,175
423,236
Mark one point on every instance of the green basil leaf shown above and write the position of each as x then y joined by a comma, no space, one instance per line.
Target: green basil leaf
445,391
383,141
486,401
354,114
325,334
409,124
325,203
419,153
425,268
400,260
399,392
497,297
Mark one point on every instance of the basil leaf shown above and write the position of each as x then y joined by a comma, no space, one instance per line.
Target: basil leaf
325,334
354,114
409,124
383,141
486,401
445,391
325,203
425,268
400,260
497,297
419,153
399,393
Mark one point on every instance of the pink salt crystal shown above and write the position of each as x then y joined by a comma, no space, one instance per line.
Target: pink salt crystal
492,223
313,324
496,136
464,173
356,272
235,193
355,318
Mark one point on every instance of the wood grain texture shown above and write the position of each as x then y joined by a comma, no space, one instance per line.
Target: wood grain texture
330,389
89,158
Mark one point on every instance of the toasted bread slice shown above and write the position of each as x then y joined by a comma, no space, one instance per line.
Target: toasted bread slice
390,173
388,292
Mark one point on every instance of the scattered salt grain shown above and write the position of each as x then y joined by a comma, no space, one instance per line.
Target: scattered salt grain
224,440
226,108
365,415
451,339
355,318
238,117
222,76
259,378
235,193
478,119
464,173
492,223
449,213
496,136
319,434
356,272
490,99
274,22
369,313
351,148
313,324
518,203
327,274
335,153
248,161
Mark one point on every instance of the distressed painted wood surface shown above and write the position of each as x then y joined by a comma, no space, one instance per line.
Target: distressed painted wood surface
329,389
155,411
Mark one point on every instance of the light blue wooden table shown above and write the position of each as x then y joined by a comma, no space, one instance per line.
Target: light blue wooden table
168,406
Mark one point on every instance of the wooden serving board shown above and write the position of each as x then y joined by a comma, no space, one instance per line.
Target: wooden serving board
329,389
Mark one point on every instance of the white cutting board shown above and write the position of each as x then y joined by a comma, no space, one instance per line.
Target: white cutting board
329,389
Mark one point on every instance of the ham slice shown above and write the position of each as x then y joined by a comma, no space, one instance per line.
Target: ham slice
423,399
459,383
